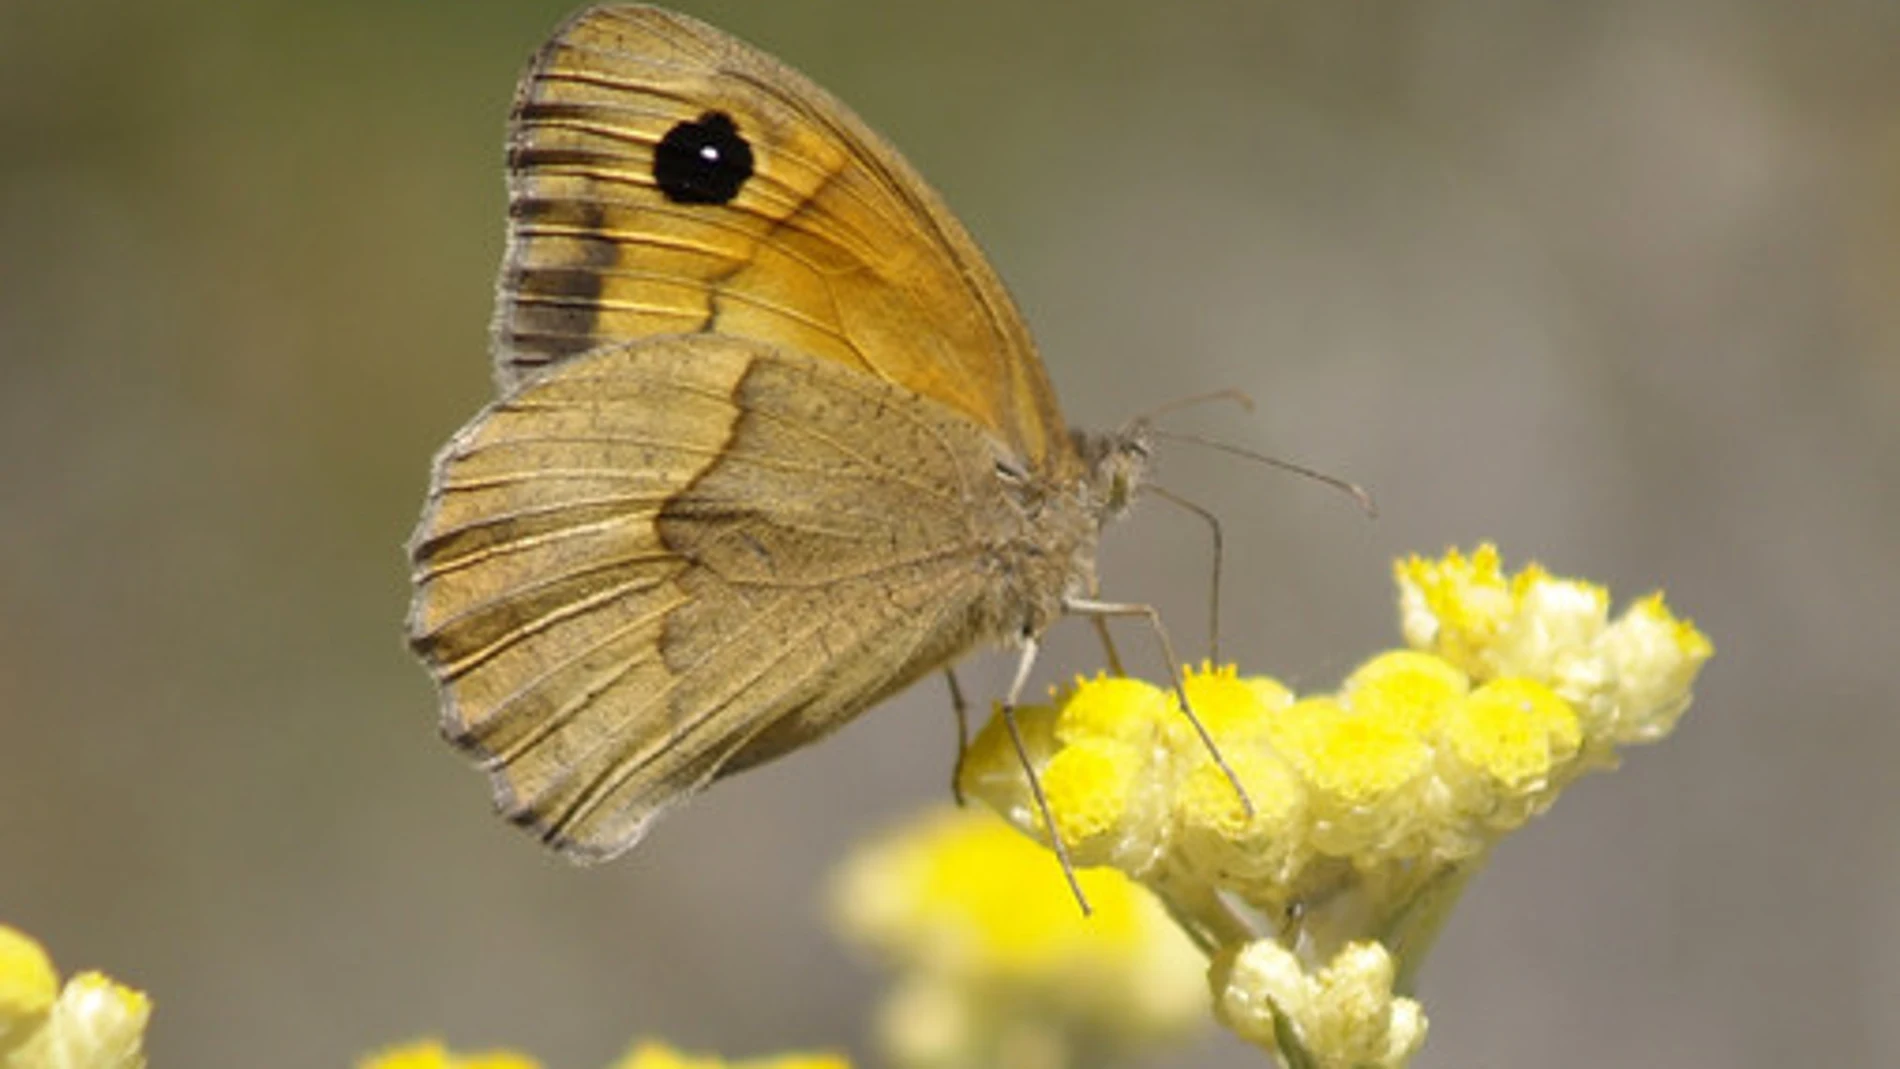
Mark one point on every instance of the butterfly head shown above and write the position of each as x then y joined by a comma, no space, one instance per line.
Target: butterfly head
1117,463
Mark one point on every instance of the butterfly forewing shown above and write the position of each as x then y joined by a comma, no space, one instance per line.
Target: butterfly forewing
827,243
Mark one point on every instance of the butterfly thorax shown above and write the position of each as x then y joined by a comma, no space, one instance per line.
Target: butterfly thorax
1047,559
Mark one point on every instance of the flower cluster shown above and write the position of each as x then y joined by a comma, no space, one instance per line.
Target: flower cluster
1366,810
429,1054
1306,898
93,1022
996,965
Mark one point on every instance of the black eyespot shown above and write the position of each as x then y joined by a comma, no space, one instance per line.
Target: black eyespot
704,161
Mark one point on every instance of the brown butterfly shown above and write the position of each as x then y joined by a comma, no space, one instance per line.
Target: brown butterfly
774,442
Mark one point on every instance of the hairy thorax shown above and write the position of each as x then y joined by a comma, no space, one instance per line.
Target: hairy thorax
1045,554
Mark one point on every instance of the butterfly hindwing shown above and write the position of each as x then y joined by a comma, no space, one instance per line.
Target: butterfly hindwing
615,615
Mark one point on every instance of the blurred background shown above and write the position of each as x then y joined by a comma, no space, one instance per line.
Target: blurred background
1616,285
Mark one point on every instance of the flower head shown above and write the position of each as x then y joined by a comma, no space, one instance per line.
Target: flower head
1342,1014
92,1022
431,1054
651,1055
1367,809
996,965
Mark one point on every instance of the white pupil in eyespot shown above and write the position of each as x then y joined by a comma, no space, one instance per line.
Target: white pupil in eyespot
709,153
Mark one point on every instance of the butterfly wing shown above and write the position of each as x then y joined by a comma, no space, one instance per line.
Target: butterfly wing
663,560
809,231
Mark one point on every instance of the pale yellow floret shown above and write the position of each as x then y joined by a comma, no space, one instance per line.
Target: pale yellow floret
1513,731
1206,799
28,987
993,771
1628,679
1342,1016
431,1054
1363,774
1654,658
1469,612
1235,711
1272,694
927,1019
1090,786
1555,619
1355,760
1408,689
1507,748
651,1055
1094,756
1455,606
961,890
1255,985
96,1023
1120,708
1357,1020
994,955
1217,838
93,1022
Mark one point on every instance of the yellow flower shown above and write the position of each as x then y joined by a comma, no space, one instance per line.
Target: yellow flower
996,963
1364,773
1629,679
431,1054
651,1055
1513,731
1342,1015
1370,807
1650,660
1094,753
1413,690
1215,832
1458,607
28,987
93,1022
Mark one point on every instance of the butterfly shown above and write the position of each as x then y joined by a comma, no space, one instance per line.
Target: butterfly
772,443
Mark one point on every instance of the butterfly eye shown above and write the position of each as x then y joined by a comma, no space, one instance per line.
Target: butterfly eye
703,161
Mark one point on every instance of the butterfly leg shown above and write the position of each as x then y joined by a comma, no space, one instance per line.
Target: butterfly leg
962,708
1023,665
1213,594
1101,610
1108,646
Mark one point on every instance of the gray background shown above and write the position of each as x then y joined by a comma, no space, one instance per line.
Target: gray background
1612,283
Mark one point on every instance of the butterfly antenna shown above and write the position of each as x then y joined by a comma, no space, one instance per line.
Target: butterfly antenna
1239,397
1213,527
1358,493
